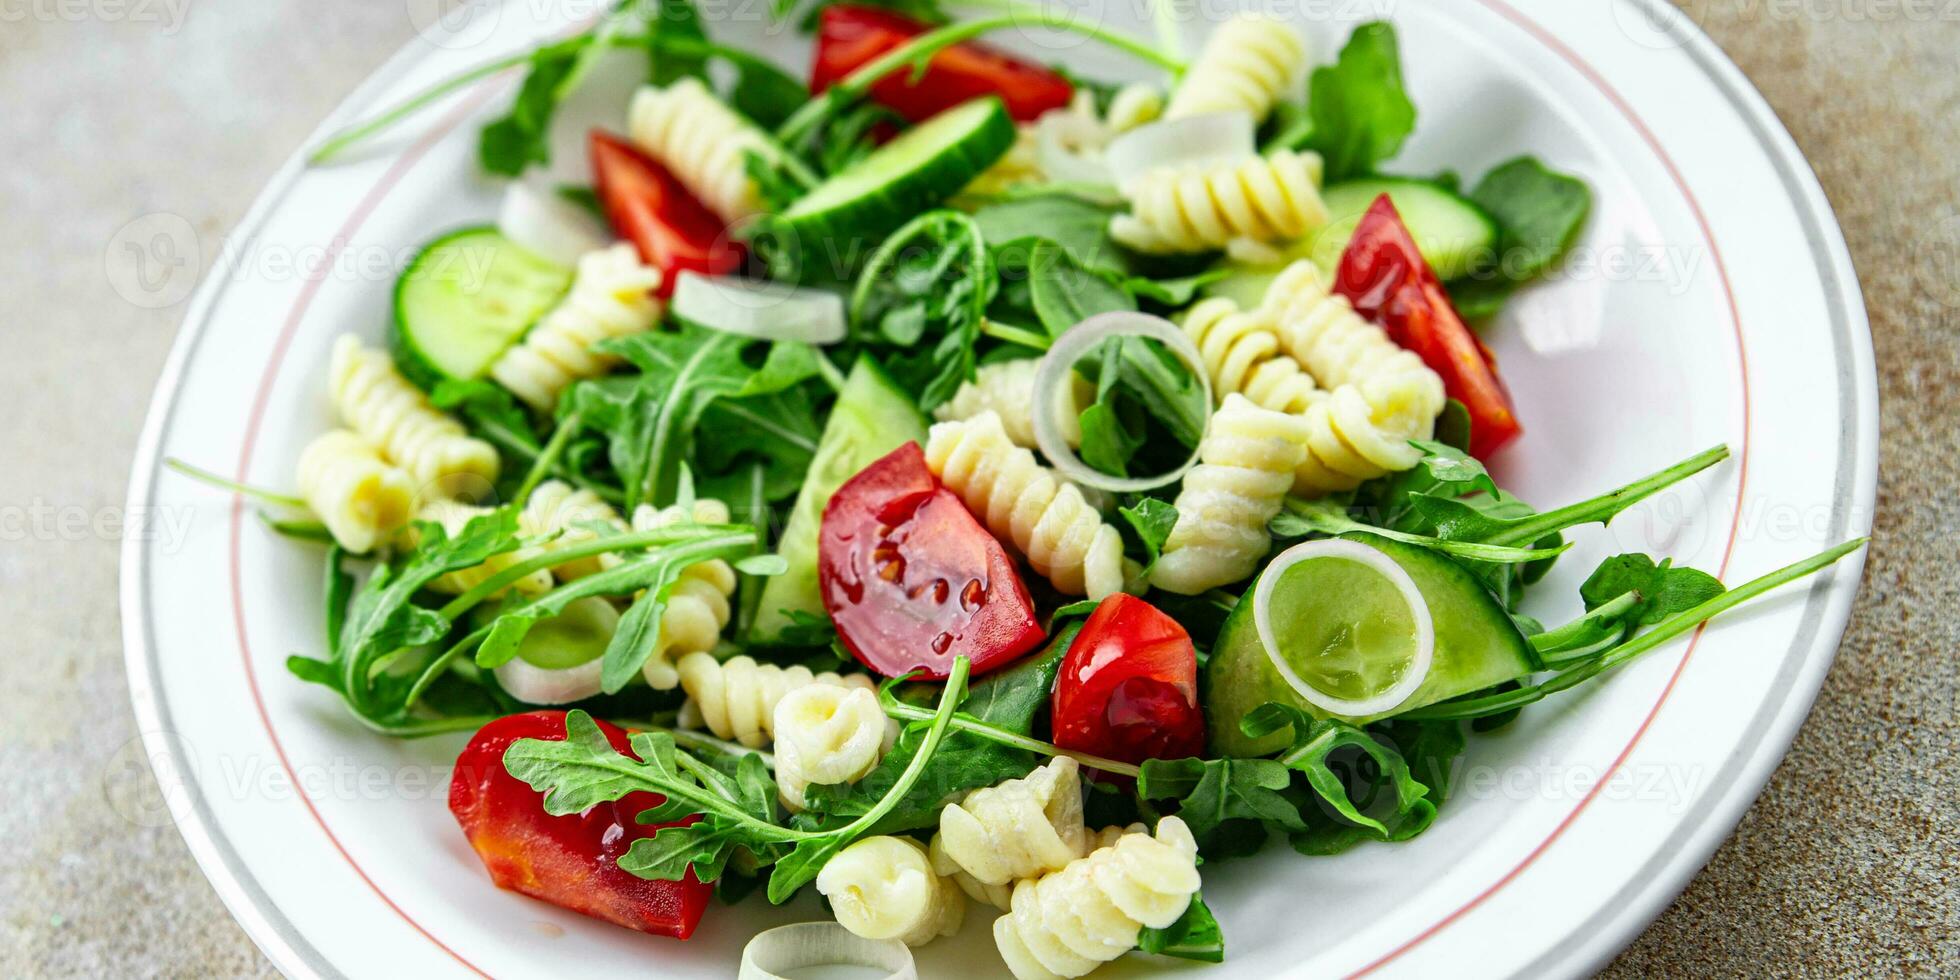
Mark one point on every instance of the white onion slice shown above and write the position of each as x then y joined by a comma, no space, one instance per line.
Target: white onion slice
1054,378
756,308
1069,147
1218,137
785,949
548,225
1350,551
532,684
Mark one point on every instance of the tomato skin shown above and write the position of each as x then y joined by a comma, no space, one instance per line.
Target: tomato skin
1390,283
911,578
569,861
647,206
850,36
1128,689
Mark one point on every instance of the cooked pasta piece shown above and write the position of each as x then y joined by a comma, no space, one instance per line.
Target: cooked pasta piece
361,499
1018,829
1271,198
1023,501
704,142
737,700
1001,896
1246,463
1077,128
374,400
698,607
827,735
884,888
454,515
559,510
1241,351
612,296
1006,388
1245,66
1133,105
1068,923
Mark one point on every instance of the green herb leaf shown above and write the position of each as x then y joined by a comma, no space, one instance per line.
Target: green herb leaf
1064,293
1217,798
1538,211
1360,113
1152,520
1660,590
1315,742
1194,936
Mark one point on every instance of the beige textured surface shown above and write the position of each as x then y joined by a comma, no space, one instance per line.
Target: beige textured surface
1849,862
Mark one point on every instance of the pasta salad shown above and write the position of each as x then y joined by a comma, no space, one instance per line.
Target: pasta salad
957,486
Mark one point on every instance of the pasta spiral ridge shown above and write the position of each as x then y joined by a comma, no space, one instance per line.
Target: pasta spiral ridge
885,888
1047,518
704,142
1244,67
1241,350
1070,922
737,700
611,296
1001,896
1018,829
1271,198
698,607
374,400
359,497
1006,389
827,735
557,508
454,515
1246,464
1076,127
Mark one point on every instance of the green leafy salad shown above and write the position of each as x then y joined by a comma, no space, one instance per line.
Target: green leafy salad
956,486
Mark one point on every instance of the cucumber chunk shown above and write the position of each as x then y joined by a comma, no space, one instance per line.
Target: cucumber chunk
466,298
1477,646
924,166
1453,234
872,417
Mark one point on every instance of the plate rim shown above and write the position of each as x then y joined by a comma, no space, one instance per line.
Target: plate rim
1686,850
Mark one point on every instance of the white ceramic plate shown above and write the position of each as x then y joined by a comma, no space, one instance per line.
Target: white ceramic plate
1711,300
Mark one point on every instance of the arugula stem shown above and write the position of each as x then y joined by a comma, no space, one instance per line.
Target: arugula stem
346,138
547,458
831,376
690,739
585,549
1607,505
974,726
1170,40
1667,629
300,530
1585,637
1014,335
205,476
1332,519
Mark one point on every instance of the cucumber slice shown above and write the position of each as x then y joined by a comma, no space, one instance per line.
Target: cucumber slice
467,297
1453,234
1477,646
872,417
922,167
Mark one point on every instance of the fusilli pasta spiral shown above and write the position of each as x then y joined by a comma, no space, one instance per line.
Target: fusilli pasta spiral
1006,388
1070,922
359,497
884,888
698,607
1271,198
612,296
557,508
827,735
454,515
1241,350
737,700
1246,463
1001,896
1018,829
1063,537
1246,64
705,143
1077,128
374,400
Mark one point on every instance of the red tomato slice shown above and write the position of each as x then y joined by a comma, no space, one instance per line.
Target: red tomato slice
1129,686
913,581
569,861
1389,282
849,36
648,206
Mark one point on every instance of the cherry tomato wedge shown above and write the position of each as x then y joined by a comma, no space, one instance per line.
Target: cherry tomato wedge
648,206
1389,282
850,36
913,581
1129,686
569,861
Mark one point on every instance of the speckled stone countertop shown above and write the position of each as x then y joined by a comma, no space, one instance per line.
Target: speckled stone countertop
1849,863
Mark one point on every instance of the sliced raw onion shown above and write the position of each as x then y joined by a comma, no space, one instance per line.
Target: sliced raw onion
1069,147
548,225
774,953
755,308
1355,551
1055,379
1217,137
532,684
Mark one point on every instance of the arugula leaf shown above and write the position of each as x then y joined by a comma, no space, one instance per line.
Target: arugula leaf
1226,802
1660,590
1152,520
1538,212
1459,519
925,290
779,432
664,21
1315,742
1359,111
1194,936
1064,293
521,137
1141,389
648,418
1017,226
491,412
